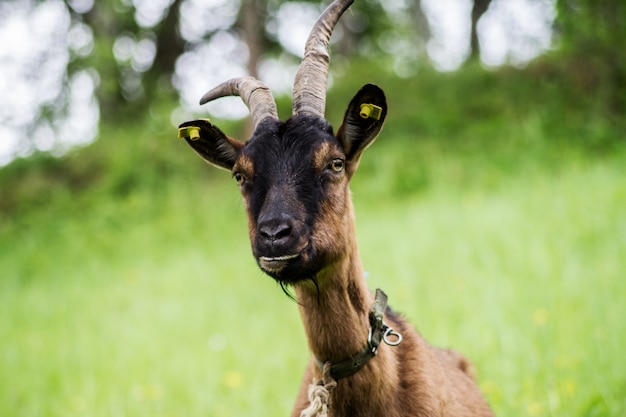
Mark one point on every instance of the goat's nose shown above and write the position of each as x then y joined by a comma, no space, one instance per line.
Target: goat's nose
275,232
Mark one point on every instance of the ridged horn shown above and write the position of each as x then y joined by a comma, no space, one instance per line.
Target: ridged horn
309,89
254,93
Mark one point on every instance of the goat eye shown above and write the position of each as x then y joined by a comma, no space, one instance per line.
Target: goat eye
336,164
239,178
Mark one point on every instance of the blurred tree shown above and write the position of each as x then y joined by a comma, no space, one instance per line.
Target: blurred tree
479,8
135,48
593,33
136,57
252,30
131,79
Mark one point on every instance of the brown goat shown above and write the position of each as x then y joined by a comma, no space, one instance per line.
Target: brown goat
294,177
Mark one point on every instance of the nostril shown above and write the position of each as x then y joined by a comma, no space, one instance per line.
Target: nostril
283,230
275,231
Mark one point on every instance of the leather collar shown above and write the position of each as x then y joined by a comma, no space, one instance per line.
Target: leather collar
378,332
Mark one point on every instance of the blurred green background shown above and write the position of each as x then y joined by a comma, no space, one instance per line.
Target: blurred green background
491,209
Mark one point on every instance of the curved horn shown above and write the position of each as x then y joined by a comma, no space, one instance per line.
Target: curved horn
254,93
309,89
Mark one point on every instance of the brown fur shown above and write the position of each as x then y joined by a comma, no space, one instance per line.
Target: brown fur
411,379
294,178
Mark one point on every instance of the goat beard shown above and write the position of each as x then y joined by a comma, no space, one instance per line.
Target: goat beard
286,286
307,270
301,274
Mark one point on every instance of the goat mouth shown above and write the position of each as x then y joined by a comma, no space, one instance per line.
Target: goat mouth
275,264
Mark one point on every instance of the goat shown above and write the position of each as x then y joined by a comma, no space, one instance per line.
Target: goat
294,178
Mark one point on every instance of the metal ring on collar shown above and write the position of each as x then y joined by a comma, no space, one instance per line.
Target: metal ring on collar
389,332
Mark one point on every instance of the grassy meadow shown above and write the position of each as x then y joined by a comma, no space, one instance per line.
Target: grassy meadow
495,221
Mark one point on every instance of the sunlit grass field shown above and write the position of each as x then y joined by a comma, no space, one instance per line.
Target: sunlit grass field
151,305
132,290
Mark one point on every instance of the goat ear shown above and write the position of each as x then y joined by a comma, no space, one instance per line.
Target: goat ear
210,143
362,122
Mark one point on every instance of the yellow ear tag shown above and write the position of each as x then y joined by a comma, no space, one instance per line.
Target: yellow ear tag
370,111
191,132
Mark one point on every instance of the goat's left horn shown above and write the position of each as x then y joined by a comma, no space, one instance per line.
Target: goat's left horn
254,93
309,89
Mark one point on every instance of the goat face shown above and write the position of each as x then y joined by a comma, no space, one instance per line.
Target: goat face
293,177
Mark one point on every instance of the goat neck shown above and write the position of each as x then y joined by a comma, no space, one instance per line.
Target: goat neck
335,308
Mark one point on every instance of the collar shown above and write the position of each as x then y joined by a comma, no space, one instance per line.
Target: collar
378,332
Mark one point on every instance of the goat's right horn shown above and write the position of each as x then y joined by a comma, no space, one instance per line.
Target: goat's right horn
255,94
309,90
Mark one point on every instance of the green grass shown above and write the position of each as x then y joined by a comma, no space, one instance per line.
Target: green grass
129,310
114,313
527,280
127,287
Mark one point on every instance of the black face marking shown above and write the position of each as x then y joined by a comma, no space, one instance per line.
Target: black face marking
294,178
294,166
